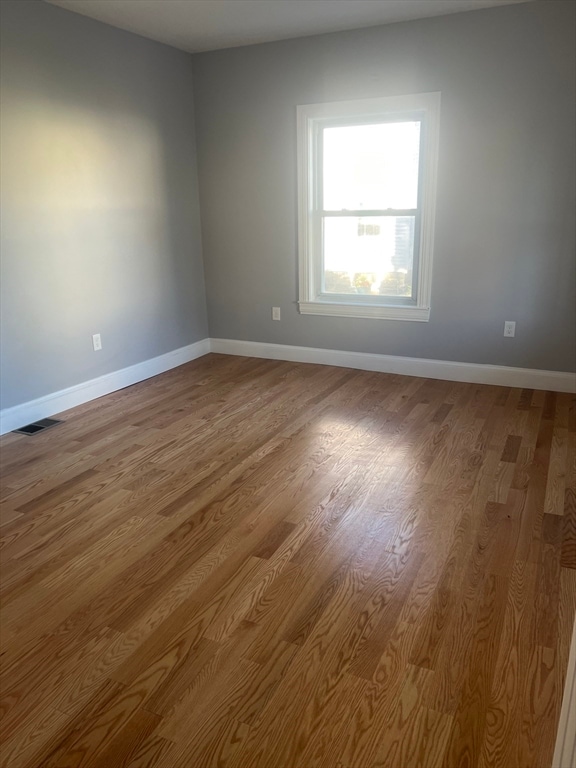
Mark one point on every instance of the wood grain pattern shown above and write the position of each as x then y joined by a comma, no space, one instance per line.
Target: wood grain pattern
258,564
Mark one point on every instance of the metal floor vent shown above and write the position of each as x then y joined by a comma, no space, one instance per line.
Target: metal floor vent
37,426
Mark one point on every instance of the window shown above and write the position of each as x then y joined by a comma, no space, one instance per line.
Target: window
367,175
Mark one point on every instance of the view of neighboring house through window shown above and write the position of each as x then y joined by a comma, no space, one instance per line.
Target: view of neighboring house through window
370,197
367,178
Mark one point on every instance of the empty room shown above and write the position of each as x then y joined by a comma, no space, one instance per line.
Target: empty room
288,376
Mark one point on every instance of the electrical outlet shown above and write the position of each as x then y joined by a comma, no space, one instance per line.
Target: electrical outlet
509,328
275,313
96,342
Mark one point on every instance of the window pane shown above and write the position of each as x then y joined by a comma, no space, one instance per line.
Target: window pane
370,255
371,166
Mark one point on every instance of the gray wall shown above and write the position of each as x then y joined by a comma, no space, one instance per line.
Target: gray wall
100,223
505,211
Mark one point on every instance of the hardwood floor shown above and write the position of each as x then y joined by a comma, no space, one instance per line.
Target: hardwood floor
260,564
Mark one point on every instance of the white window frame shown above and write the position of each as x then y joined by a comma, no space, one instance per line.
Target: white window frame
312,118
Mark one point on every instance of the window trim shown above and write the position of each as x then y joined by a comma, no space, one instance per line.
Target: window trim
310,118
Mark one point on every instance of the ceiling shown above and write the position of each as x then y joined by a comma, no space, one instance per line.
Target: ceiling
205,25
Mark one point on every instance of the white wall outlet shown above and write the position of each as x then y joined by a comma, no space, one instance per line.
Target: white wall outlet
509,328
275,313
96,342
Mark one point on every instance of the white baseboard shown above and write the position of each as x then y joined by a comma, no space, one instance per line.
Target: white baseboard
565,750
49,405
474,373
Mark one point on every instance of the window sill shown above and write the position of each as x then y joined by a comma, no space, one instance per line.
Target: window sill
333,309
